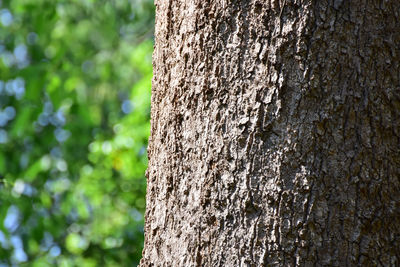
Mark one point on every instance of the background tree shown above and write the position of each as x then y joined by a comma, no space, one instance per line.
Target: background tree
275,134
74,111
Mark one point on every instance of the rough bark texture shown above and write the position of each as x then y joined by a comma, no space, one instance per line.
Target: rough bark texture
275,134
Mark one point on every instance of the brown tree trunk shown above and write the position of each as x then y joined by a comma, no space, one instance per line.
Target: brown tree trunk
275,134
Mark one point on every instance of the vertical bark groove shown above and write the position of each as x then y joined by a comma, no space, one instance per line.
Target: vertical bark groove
275,134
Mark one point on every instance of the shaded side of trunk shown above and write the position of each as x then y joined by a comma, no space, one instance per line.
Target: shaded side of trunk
275,134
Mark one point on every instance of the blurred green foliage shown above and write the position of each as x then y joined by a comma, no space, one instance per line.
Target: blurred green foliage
75,81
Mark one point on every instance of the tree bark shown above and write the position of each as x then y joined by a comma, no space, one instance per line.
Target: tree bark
275,134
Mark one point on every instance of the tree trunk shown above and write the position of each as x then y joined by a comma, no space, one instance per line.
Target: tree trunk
275,134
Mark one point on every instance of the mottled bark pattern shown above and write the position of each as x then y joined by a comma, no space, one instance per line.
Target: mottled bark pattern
275,134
